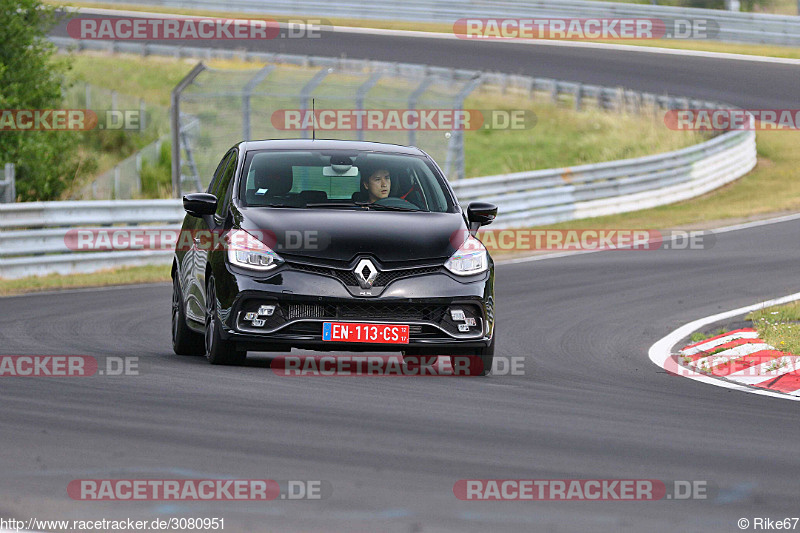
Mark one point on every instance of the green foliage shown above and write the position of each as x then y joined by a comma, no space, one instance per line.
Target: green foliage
31,78
157,178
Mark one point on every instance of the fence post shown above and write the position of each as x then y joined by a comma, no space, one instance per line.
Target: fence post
247,92
175,126
361,93
455,148
142,114
412,104
87,89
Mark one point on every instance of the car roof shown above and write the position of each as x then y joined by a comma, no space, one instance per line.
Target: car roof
328,144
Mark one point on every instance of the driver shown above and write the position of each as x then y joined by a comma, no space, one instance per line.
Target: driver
377,184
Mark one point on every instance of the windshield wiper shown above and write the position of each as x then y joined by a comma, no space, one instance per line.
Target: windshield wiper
387,207
333,204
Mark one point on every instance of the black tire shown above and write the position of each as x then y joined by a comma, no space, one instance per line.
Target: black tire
218,350
184,340
477,363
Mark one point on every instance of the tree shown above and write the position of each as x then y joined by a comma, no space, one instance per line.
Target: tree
31,77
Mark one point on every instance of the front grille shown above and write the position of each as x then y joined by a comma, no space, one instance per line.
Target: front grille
311,311
348,277
387,311
387,276
368,311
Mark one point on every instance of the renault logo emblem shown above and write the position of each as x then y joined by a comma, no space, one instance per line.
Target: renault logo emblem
365,273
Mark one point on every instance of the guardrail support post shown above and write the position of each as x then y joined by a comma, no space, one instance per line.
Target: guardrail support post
10,184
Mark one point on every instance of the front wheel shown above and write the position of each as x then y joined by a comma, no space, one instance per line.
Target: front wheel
478,363
184,340
218,350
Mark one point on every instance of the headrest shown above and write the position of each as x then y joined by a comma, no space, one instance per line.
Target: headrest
277,180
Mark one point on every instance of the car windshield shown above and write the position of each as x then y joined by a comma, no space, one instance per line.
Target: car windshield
341,179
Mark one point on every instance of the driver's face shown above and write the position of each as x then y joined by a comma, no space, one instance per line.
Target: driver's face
378,185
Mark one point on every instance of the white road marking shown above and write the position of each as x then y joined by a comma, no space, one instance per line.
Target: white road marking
661,352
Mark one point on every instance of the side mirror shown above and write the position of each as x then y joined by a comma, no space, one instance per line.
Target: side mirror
200,204
480,214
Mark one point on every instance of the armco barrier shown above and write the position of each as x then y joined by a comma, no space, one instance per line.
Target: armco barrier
733,26
555,195
32,235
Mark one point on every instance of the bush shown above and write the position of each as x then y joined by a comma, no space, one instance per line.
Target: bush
31,78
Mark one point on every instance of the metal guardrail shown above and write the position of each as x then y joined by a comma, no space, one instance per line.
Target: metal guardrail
524,199
556,195
733,26
33,235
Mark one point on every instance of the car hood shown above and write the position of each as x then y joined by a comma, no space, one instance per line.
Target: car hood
340,235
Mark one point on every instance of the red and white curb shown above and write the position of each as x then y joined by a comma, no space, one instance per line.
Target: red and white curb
742,357
735,360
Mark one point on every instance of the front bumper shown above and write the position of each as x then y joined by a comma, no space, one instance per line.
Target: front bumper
303,300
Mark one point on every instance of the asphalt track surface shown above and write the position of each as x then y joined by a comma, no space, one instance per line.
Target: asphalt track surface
590,404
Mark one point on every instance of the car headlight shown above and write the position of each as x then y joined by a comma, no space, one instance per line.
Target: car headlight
246,251
470,258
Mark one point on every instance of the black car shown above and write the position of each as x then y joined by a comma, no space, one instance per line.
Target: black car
331,245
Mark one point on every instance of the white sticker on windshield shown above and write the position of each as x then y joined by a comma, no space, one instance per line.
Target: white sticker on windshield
261,191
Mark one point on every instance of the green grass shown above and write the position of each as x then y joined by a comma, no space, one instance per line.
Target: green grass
772,187
560,137
779,326
785,7
120,276
698,336
563,137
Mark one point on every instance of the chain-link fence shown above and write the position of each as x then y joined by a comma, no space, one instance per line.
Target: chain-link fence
218,108
124,180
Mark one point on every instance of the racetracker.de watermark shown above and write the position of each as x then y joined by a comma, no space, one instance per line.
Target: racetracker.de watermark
197,489
393,366
587,239
192,28
71,119
403,119
595,29
579,490
69,366
732,119
494,240
164,239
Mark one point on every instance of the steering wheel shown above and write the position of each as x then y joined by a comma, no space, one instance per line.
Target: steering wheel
392,201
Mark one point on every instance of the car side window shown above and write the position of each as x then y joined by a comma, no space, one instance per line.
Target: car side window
224,189
218,173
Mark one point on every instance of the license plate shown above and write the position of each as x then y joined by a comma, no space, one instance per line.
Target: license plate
374,333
